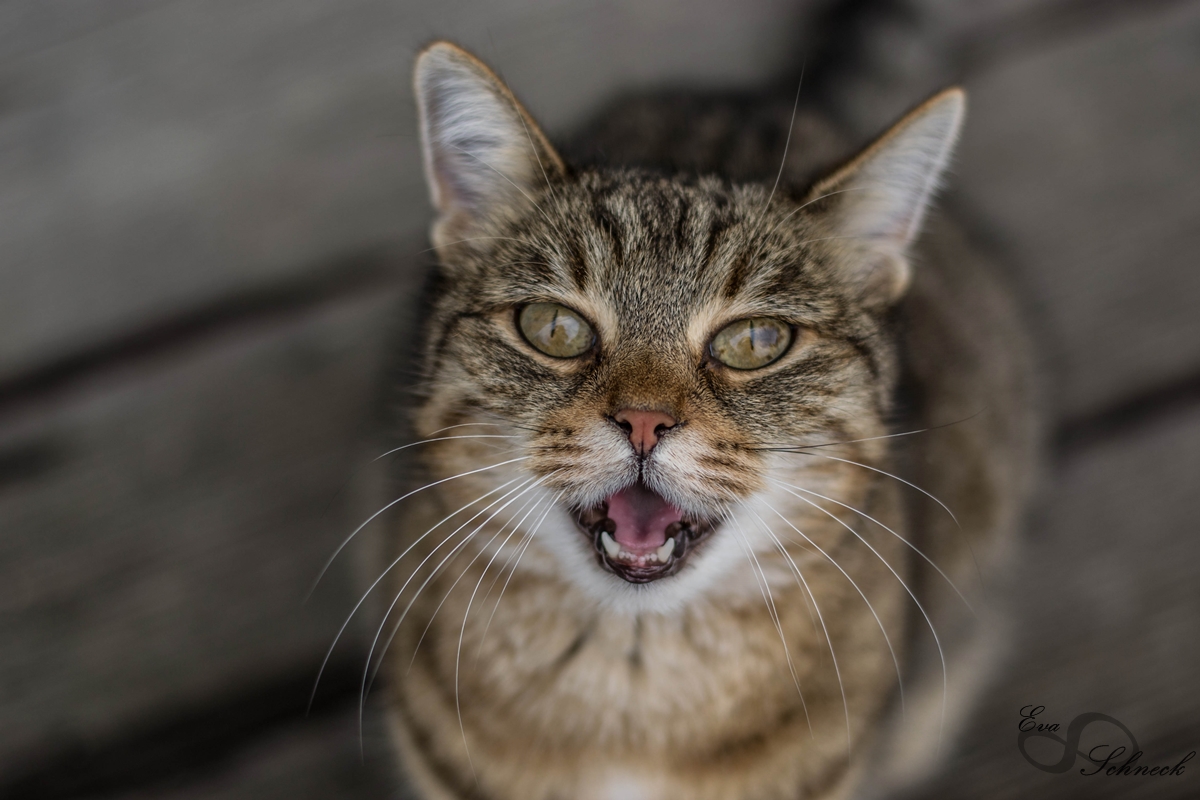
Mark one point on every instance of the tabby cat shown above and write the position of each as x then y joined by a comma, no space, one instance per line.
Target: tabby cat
690,441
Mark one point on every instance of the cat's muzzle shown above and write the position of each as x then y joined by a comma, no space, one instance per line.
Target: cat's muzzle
639,536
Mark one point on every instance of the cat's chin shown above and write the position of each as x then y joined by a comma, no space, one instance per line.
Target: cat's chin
639,536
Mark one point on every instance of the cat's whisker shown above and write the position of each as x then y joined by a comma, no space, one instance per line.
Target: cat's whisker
809,601
446,595
508,562
802,450
760,577
882,629
390,567
464,425
502,422
888,474
462,631
808,203
782,163
788,447
444,439
509,450
368,682
521,548
521,491
448,537
508,498
909,544
820,618
392,504
932,629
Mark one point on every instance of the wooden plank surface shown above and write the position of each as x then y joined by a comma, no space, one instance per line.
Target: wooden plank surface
164,514
162,544
155,157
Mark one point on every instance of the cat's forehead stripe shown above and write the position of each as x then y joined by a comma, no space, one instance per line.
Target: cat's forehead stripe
659,228
697,241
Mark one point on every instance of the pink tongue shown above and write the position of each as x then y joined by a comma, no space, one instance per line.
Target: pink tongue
642,518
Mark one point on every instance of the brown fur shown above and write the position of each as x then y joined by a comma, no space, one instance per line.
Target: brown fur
521,670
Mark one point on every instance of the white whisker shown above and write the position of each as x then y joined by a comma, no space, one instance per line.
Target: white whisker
788,447
512,496
782,163
444,439
389,568
405,496
937,640
446,595
909,544
805,205
462,631
425,560
367,683
888,474
820,618
970,549
508,498
521,548
464,425
832,560
773,612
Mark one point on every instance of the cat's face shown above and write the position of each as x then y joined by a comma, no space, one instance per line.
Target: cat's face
646,350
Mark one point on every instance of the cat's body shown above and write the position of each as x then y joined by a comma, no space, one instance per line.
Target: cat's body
748,661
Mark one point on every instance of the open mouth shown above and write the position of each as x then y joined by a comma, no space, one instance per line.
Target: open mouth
640,536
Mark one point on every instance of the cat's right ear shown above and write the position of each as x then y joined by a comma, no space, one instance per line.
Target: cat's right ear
485,158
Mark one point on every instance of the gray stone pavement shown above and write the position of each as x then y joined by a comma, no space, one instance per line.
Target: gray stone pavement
213,210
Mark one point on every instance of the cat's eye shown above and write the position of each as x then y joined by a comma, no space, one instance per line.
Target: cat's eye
751,343
555,330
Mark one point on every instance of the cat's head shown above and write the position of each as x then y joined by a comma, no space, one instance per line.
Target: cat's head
640,356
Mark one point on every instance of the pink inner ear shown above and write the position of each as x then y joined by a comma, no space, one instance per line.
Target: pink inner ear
642,518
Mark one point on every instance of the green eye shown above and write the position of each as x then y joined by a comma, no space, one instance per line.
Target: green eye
751,343
555,330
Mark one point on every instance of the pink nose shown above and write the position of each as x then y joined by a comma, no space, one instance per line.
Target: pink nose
644,427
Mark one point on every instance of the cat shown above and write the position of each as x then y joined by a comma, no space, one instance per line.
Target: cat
708,454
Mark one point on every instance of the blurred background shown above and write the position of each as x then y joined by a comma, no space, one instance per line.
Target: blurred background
213,219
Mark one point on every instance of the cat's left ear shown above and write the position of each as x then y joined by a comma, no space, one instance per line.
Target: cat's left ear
878,201
485,157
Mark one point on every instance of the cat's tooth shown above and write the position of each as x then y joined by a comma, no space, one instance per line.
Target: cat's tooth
610,545
664,552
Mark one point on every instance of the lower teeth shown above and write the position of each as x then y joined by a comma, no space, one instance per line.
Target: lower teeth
663,553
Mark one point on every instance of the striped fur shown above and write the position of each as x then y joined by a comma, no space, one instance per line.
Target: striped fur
761,670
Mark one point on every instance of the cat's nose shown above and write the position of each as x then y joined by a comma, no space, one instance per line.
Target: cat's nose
644,428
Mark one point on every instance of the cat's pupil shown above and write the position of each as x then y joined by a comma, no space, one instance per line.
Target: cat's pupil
561,334
760,338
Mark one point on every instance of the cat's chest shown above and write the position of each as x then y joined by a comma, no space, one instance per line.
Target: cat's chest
621,784
639,687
